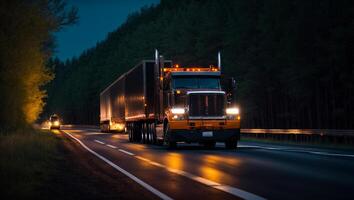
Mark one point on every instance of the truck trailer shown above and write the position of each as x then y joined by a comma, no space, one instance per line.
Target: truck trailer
158,101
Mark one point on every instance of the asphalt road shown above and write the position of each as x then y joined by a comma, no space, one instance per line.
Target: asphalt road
253,171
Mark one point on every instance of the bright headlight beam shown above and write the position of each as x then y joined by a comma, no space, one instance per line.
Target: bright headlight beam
232,111
177,110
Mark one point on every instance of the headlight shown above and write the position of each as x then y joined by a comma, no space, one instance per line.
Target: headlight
232,111
56,123
178,111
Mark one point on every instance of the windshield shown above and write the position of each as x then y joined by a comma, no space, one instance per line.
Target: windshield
195,82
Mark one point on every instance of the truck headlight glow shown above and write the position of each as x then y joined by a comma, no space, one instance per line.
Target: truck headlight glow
56,123
177,111
232,111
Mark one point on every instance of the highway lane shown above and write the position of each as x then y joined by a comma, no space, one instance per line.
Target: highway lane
254,171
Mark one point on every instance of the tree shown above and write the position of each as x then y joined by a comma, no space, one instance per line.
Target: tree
26,40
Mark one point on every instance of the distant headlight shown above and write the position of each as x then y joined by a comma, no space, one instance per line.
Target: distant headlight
178,111
232,111
56,123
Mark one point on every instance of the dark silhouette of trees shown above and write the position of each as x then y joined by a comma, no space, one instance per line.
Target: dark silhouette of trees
26,42
292,59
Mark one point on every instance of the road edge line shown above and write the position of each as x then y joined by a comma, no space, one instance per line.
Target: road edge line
134,178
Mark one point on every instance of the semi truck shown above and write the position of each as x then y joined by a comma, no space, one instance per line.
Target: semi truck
160,101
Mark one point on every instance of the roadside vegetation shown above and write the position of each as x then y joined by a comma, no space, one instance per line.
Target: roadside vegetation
26,43
27,160
37,164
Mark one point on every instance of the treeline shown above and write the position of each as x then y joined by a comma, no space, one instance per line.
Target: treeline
292,59
26,42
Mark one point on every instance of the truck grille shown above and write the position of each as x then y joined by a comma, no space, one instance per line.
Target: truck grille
206,105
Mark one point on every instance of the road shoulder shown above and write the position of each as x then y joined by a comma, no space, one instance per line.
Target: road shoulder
79,175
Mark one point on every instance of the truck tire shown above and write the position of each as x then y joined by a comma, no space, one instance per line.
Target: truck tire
143,132
166,137
153,133
130,132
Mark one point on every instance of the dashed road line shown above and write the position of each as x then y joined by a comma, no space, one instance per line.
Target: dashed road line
139,181
113,147
126,152
99,142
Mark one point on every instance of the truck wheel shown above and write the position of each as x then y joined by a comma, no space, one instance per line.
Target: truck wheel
130,133
231,144
166,137
153,133
149,135
143,133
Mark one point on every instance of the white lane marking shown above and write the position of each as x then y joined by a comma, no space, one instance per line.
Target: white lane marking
331,154
141,158
99,142
113,147
226,188
142,183
322,153
126,152
96,133
237,192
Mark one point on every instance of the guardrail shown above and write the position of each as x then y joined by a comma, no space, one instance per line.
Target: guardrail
321,132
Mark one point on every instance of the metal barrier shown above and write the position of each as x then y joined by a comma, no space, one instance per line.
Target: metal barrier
322,132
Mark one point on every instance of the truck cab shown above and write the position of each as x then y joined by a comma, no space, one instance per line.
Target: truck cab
198,108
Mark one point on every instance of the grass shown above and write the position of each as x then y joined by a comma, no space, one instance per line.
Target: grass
27,158
38,164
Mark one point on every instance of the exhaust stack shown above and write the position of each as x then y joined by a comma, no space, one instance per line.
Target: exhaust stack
156,57
219,61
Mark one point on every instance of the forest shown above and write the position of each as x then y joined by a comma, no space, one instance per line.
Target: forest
292,60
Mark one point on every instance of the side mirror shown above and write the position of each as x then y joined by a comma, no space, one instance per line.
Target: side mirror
232,83
230,89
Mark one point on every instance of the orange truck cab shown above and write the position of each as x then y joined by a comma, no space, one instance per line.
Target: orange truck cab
198,108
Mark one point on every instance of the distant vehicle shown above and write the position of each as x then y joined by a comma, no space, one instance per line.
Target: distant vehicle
54,122
156,100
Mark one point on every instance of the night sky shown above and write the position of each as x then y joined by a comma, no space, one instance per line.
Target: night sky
96,19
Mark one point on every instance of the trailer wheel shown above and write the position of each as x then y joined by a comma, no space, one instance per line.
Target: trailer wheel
166,137
143,133
148,133
153,133
130,133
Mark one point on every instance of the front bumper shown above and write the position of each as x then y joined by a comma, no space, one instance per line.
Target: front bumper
55,127
197,135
